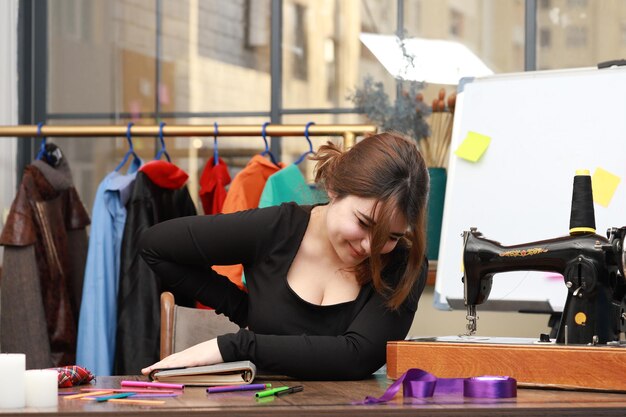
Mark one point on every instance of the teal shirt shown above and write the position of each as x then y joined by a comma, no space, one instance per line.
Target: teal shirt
288,185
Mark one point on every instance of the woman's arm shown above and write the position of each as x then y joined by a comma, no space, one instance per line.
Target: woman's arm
181,252
355,354
205,353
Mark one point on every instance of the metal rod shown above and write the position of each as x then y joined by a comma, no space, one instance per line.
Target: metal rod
400,34
157,63
346,130
276,70
348,140
530,35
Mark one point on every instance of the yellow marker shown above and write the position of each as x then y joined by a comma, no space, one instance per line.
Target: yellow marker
129,401
87,394
473,146
604,185
580,318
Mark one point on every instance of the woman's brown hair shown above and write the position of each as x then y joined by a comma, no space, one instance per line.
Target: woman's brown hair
388,168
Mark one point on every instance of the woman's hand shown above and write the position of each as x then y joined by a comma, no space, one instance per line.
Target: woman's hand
205,353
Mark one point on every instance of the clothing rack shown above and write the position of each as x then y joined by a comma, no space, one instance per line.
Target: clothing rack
347,131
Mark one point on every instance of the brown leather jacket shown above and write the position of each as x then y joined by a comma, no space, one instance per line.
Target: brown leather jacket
45,247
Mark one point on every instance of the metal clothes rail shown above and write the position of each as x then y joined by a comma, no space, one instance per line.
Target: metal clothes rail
348,131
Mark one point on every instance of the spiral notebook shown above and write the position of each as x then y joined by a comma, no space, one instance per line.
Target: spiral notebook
228,373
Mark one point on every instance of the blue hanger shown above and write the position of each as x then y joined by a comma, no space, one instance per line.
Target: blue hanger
42,148
162,151
216,159
267,147
131,149
306,135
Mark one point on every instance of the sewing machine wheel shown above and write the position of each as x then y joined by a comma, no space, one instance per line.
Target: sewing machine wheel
623,257
617,236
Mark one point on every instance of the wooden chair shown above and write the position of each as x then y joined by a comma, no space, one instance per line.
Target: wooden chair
183,327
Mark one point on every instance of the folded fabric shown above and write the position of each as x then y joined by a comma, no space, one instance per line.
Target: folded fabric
70,376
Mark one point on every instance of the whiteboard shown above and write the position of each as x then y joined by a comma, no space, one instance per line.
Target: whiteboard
543,126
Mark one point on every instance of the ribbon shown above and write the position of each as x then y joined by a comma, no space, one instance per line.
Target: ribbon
418,383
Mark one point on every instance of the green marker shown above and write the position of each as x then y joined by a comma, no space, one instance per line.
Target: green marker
269,392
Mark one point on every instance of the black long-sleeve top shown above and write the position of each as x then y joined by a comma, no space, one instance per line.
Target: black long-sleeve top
281,332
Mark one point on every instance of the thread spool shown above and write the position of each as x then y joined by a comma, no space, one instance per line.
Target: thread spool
582,218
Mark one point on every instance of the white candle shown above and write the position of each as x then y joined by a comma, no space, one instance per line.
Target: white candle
12,375
41,388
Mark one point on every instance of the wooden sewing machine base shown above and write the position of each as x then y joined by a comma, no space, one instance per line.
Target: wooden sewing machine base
545,365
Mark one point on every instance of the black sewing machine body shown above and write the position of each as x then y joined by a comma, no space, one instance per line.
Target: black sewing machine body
592,267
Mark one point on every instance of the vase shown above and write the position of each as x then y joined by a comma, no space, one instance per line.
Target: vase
435,211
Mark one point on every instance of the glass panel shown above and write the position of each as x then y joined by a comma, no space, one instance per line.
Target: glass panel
322,56
493,30
214,56
220,49
102,56
579,33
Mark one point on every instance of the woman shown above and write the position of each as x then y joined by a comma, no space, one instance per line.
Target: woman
328,285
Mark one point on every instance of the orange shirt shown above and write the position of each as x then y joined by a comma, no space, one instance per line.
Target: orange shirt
244,194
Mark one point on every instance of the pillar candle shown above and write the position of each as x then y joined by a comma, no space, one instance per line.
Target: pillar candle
41,388
12,376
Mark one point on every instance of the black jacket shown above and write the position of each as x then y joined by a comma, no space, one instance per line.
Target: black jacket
138,311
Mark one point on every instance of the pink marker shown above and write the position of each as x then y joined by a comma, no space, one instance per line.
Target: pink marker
151,384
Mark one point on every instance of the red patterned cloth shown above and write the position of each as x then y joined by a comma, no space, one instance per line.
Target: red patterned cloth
70,376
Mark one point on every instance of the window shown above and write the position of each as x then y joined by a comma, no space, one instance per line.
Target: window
456,24
299,46
74,19
257,28
576,36
581,37
545,37
229,31
577,3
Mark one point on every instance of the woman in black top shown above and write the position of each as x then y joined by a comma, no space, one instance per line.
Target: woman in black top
328,285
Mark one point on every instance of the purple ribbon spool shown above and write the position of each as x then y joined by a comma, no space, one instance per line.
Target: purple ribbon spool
490,387
417,383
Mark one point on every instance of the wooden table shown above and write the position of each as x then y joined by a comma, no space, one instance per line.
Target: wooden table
337,398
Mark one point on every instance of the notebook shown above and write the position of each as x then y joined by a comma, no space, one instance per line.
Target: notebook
228,373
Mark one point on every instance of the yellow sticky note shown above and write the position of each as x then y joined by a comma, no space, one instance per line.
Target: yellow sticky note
604,185
473,147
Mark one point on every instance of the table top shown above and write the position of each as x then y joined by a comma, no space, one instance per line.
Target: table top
339,398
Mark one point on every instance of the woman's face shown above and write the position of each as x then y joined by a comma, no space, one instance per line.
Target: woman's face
349,221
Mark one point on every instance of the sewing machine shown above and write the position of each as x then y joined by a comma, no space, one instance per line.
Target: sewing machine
587,352
592,267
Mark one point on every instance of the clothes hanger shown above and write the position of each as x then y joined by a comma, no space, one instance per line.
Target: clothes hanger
216,160
163,150
42,148
131,149
267,147
306,136
48,152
